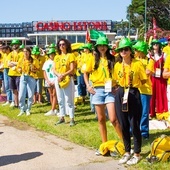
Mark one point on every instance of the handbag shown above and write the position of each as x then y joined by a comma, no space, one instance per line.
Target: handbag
65,82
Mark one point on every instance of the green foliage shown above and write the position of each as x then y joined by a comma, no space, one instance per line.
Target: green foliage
160,10
85,133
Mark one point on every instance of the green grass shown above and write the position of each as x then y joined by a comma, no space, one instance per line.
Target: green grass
85,133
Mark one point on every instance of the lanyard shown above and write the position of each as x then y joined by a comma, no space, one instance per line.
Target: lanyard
130,75
103,67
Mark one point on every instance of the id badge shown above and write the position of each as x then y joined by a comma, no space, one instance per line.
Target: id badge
126,94
158,72
108,85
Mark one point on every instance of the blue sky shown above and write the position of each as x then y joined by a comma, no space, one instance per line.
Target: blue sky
17,11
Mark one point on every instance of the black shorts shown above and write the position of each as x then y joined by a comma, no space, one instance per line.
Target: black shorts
14,82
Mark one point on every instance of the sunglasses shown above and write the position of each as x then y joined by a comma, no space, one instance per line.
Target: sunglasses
62,44
124,49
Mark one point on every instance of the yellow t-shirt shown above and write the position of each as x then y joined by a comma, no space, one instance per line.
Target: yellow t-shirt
14,57
1,62
99,76
147,87
25,66
85,60
5,60
166,50
62,62
132,74
41,60
167,66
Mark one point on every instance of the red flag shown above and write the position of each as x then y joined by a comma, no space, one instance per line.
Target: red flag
88,35
154,28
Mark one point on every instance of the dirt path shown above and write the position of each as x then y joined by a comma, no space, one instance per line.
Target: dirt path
22,147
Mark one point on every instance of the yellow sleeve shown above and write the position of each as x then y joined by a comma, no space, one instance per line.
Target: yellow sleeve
167,62
150,65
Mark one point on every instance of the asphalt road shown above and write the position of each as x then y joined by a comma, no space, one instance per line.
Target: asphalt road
29,149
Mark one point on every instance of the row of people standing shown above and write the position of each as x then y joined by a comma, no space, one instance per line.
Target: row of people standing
128,75
139,79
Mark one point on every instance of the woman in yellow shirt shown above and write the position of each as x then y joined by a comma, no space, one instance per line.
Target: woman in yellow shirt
130,75
64,63
100,69
28,68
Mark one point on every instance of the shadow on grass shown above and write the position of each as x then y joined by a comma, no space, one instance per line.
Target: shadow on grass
11,159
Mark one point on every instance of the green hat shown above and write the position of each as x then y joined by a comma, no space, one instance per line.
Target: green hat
125,42
15,41
155,41
51,50
35,50
52,45
102,41
141,46
88,46
21,46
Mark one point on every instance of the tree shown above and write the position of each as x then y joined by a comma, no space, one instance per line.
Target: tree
160,10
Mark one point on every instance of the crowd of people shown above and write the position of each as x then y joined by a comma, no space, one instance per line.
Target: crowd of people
129,84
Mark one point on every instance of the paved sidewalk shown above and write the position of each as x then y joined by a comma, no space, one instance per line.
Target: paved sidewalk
34,150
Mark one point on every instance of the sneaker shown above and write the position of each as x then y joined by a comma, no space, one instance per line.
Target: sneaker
21,113
134,160
114,154
50,113
72,122
28,113
61,120
125,158
56,111
6,103
97,153
12,104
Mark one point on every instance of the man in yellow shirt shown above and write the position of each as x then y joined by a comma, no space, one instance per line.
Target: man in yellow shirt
6,50
14,75
39,81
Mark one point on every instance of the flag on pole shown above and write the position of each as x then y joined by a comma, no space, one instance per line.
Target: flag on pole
93,35
154,28
88,35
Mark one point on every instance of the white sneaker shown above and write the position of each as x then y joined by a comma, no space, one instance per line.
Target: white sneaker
21,113
134,160
28,112
6,103
125,158
12,104
50,113
56,111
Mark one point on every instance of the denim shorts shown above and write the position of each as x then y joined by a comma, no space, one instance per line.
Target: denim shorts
39,84
1,76
102,97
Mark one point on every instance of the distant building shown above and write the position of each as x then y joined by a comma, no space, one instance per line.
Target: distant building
46,32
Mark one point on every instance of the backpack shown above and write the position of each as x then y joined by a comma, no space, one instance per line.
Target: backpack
116,148
160,150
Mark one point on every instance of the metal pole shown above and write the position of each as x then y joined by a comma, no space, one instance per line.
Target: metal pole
145,17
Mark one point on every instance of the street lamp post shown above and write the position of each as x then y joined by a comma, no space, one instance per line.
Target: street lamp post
145,18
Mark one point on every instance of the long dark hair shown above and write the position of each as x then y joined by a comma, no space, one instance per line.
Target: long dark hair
67,44
110,58
159,50
30,56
